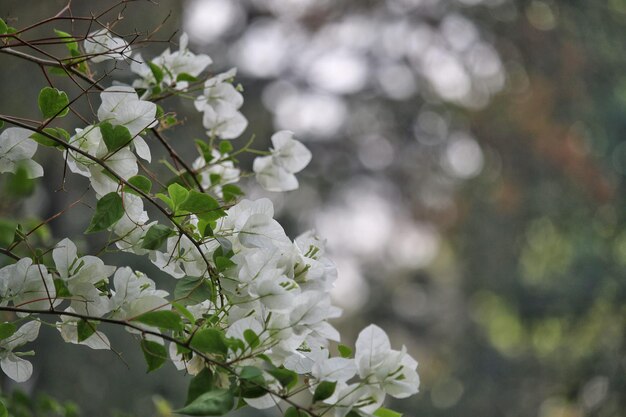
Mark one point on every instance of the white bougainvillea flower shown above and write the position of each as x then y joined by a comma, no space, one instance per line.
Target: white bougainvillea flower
216,174
17,150
172,65
14,367
27,285
135,294
121,106
90,141
334,369
218,92
394,371
225,122
80,275
123,163
102,46
68,327
288,156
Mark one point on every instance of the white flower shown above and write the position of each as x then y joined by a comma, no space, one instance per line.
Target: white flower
17,149
68,327
288,156
217,92
121,106
14,367
27,285
81,275
334,369
90,141
394,371
173,64
135,294
225,171
102,45
225,121
123,163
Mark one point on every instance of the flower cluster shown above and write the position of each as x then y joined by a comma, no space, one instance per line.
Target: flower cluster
249,302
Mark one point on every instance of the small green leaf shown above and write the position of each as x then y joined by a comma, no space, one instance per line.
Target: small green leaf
344,351
183,311
251,337
3,27
250,373
108,211
201,383
70,42
191,290
166,200
141,182
156,71
58,71
213,403
183,76
156,236
199,203
205,150
56,132
177,193
61,289
163,319
324,390
7,330
210,341
53,102
287,378
85,329
385,412
115,137
154,353
226,147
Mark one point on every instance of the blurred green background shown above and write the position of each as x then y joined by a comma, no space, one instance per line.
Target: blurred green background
468,173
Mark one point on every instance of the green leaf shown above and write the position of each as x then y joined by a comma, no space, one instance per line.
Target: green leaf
3,409
183,76
163,319
56,132
154,353
223,263
58,71
344,351
184,311
213,403
3,27
85,329
177,193
191,290
53,102
115,137
70,42
385,412
108,211
165,199
251,337
7,232
6,330
141,182
294,412
204,149
201,383
156,236
231,192
199,203
226,147
210,341
252,382
61,289
287,378
324,390
156,71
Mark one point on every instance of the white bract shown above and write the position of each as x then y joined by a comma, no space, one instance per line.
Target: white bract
17,150
288,156
12,364
101,46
